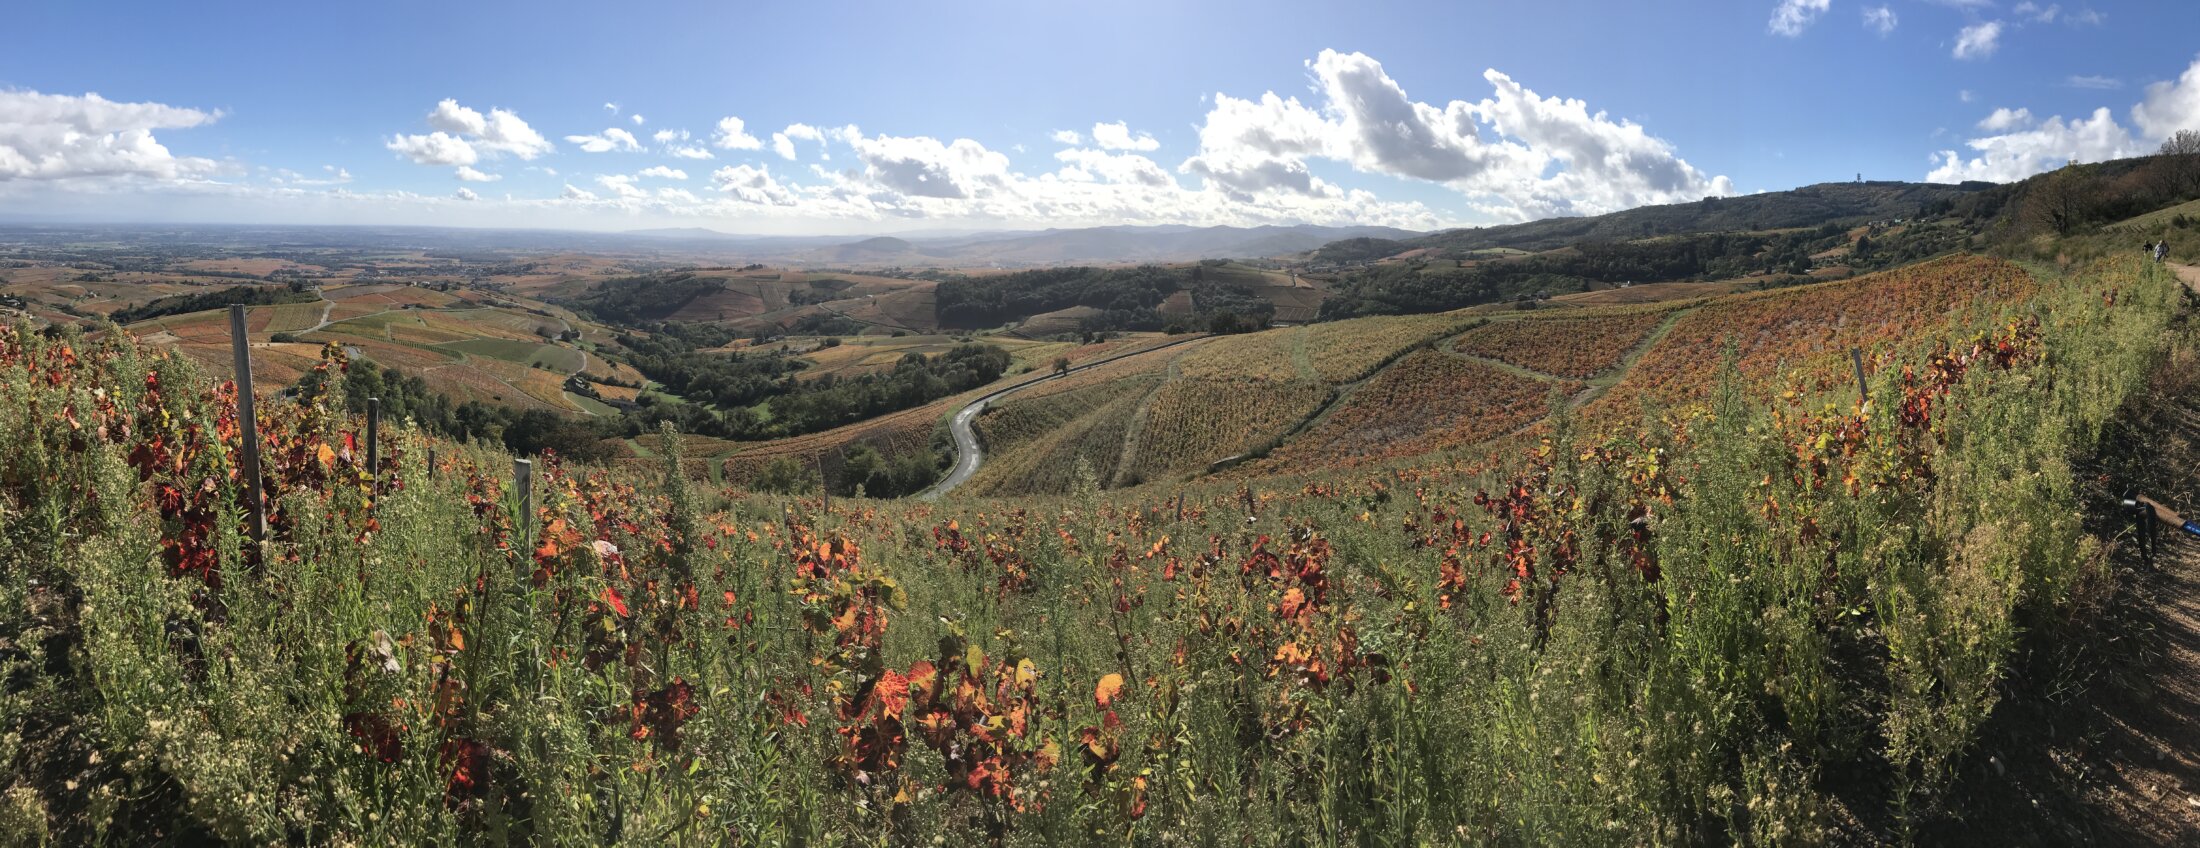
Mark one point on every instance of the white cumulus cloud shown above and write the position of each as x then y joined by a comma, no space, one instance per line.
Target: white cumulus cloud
2170,105
1881,19
2006,118
621,185
1118,136
733,135
2019,146
436,148
582,194
499,132
464,193
1791,17
1978,40
663,172
473,175
60,136
783,141
1070,137
1127,168
2051,144
335,176
924,167
676,143
752,184
611,139
1516,155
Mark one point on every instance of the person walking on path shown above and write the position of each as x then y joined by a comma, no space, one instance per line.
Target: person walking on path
2161,251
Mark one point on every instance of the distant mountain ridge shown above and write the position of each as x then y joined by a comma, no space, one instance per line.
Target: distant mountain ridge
1087,245
1808,206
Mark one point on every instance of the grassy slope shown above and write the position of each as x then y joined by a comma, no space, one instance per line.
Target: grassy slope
1344,661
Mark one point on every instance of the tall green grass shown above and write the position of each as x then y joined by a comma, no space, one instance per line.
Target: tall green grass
1348,664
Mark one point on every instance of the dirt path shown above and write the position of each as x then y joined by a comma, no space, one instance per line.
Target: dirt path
2149,757
2097,741
327,307
2190,274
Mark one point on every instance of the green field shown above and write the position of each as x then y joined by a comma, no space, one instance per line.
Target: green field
2159,218
561,359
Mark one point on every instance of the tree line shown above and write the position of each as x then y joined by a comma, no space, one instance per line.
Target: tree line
182,304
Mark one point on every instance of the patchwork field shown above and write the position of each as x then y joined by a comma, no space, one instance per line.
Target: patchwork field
1810,329
1369,391
1562,345
1427,401
1266,355
1193,423
1345,351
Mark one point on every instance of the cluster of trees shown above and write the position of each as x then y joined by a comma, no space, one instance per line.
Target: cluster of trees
795,407
1128,299
725,389
181,304
2079,196
1430,286
916,380
862,468
971,302
817,324
408,397
632,301
678,356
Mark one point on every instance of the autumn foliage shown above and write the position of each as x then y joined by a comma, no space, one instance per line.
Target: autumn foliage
1693,627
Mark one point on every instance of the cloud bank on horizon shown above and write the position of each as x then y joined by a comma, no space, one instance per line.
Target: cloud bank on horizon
1511,155
1354,147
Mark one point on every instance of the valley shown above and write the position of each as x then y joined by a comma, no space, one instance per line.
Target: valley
1183,536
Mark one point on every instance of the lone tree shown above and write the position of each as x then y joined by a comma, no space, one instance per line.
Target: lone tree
2178,169
2057,201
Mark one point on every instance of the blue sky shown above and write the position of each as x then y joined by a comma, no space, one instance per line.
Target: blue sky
926,116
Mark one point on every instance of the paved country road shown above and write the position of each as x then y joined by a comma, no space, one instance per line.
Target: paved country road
968,455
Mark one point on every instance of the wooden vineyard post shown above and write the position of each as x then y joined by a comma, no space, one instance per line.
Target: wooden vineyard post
431,463
523,488
248,426
374,443
1863,393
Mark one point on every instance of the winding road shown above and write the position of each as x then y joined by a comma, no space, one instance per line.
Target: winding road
968,454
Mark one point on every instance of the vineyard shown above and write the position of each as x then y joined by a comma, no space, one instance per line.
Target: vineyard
1011,426
1270,355
1783,619
1810,330
1193,423
1575,347
1082,446
1427,401
1351,350
1229,398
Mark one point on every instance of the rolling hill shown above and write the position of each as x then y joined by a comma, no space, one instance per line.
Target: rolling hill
1088,245
1808,206
1350,393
